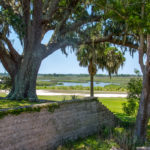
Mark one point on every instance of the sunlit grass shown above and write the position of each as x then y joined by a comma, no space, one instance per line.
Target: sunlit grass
115,105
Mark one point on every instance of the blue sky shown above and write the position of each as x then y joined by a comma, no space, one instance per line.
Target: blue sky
59,63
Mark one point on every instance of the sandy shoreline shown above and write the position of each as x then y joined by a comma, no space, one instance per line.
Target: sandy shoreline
48,93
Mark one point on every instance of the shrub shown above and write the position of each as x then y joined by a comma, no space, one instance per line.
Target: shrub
6,83
134,91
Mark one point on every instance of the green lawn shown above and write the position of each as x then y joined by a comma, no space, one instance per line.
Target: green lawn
14,103
113,104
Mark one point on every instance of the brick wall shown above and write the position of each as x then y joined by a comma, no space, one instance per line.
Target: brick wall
46,130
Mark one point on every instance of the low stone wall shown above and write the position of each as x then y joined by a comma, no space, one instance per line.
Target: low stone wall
46,126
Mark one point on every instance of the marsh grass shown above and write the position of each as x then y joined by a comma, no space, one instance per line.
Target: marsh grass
111,87
122,80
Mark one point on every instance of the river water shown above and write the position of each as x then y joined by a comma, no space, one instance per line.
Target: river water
102,84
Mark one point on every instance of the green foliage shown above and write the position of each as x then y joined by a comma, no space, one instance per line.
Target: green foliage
105,132
6,83
135,88
14,20
113,59
100,56
134,91
94,142
108,138
130,108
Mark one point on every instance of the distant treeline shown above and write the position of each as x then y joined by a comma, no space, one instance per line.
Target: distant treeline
86,75
79,75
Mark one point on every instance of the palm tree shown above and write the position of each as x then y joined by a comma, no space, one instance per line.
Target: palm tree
99,56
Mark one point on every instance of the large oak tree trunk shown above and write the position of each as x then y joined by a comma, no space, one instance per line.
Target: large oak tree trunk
24,81
143,112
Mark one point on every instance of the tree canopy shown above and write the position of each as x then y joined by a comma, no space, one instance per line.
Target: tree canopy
31,20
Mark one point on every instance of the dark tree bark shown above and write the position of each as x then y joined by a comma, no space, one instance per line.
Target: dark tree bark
144,105
143,112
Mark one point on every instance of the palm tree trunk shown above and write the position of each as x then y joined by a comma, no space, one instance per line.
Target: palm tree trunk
91,86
